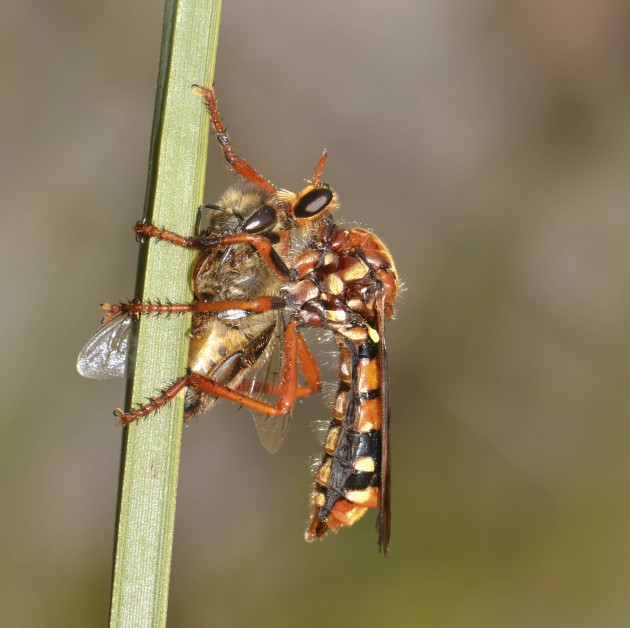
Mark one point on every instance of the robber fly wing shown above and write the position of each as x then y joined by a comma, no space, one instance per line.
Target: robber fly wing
383,520
104,355
262,384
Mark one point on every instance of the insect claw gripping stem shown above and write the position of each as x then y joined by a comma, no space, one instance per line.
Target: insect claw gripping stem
147,230
126,418
261,243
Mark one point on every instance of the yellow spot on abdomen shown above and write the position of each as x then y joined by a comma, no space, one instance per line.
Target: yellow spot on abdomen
332,439
365,463
323,475
368,497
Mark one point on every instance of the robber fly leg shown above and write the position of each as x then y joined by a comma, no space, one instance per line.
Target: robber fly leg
146,230
168,394
308,366
252,306
287,390
262,245
239,165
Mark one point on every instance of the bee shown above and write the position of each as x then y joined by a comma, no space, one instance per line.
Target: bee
340,280
232,347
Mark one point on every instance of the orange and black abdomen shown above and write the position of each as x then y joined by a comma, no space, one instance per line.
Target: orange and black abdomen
348,478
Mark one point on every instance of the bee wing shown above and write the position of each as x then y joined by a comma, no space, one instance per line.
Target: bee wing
383,520
262,384
104,355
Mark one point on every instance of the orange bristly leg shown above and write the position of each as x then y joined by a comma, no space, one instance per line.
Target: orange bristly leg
287,390
145,230
259,242
238,164
309,368
135,308
264,248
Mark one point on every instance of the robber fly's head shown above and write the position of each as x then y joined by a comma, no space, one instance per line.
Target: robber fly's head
311,203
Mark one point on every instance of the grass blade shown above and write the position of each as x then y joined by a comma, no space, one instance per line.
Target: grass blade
174,191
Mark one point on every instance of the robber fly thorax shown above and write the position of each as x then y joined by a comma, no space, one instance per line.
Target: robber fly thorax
325,276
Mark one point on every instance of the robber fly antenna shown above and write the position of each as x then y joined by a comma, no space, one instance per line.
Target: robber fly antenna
320,168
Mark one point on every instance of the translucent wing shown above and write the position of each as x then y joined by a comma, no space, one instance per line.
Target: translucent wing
383,520
272,430
262,383
104,356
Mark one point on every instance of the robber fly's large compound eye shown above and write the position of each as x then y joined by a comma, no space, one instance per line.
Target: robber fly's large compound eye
260,220
312,203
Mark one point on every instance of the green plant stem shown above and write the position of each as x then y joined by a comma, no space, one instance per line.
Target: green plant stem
151,447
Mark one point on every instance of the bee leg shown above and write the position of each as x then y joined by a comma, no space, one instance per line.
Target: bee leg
201,262
308,366
239,165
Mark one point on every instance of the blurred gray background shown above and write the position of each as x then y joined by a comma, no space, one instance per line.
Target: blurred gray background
488,144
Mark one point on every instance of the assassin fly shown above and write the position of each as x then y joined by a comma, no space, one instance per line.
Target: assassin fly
324,276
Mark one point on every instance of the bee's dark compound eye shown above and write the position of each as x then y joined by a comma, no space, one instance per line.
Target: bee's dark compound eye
312,203
260,220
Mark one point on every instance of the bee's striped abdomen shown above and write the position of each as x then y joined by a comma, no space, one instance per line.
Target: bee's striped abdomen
348,477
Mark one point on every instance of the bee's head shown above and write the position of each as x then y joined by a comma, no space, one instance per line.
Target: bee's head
244,207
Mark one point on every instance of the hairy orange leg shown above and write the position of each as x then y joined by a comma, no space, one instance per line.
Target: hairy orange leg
287,390
259,242
146,230
264,248
308,366
238,164
253,306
